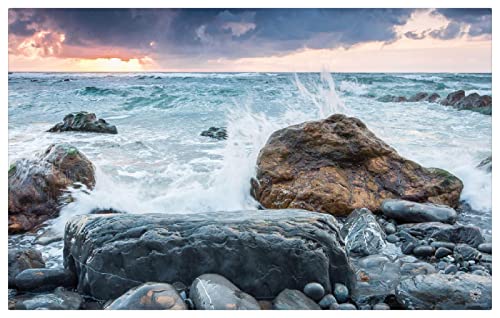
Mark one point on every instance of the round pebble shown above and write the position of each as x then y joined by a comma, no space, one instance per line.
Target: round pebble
390,228
327,301
314,291
334,306
392,238
448,245
408,247
451,269
423,251
485,248
381,306
347,306
442,265
442,252
341,293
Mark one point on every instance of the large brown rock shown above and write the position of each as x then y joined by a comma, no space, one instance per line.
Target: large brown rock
337,165
36,185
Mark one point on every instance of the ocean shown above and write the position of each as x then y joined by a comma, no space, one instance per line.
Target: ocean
158,162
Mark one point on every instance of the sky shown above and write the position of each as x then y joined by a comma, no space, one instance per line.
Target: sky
250,40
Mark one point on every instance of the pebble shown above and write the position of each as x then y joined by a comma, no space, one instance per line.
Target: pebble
392,238
347,306
451,269
485,248
381,306
341,293
480,272
390,228
447,245
423,251
442,252
314,291
408,247
327,301
442,265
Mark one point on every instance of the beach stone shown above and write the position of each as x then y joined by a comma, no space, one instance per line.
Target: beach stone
341,293
464,252
21,259
417,268
60,299
36,185
84,121
448,245
441,291
411,212
418,97
486,164
408,247
390,228
327,301
423,251
392,238
292,299
451,269
347,306
442,252
363,234
485,248
149,296
337,165
433,98
381,306
456,233
44,279
453,98
275,249
219,133
314,291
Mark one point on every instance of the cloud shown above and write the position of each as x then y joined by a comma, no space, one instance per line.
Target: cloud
414,35
477,21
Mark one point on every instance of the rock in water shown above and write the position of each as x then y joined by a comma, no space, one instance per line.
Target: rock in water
294,300
149,296
21,259
363,234
275,249
442,291
457,233
418,97
35,186
84,121
411,212
219,133
214,292
486,164
474,102
337,165
453,98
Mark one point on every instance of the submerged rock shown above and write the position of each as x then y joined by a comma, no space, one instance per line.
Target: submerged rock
453,98
21,259
474,102
457,233
36,186
363,234
149,296
214,292
336,165
219,133
392,99
411,212
275,249
294,300
84,121
418,97
433,98
442,291
486,164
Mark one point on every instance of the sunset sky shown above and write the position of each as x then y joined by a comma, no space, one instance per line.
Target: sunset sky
246,40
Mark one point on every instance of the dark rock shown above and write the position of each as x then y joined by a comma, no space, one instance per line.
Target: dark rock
433,98
473,102
442,252
362,233
36,186
60,299
149,296
392,99
314,291
392,238
417,268
448,245
456,233
451,269
464,252
449,292
453,98
408,247
347,307
486,164
21,259
327,301
390,228
48,237
44,279
266,304
485,248
418,97
219,133
423,251
275,249
381,306
411,212
84,121
292,299
341,293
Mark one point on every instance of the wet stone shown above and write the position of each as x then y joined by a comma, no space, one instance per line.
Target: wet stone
423,251
381,306
44,279
451,269
392,238
314,291
448,245
327,301
21,259
149,296
442,252
292,299
341,293
347,306
390,228
464,252
485,248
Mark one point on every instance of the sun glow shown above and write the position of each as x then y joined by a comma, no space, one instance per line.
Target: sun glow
113,64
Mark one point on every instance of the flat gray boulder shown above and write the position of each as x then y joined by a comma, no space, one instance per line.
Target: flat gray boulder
412,212
261,252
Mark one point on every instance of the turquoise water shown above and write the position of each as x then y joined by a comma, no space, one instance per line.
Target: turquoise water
158,162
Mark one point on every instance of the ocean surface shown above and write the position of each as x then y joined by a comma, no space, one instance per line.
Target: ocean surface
158,162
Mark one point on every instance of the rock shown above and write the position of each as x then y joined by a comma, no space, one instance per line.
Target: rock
464,252
60,299
456,233
392,238
275,249
266,304
341,293
411,212
347,307
44,279
214,292
408,247
485,248
449,292
292,299
486,164
417,268
473,102
381,306
448,245
442,252
423,251
451,269
84,121
418,97
149,296
47,237
390,228
453,98
327,301
219,133
362,233
36,186
392,99
314,291
21,259
433,98
337,165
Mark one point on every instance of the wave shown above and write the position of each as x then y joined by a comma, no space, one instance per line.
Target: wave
96,91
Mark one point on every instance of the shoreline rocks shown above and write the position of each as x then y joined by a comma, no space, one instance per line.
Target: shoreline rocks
411,212
85,122
22,259
149,296
219,133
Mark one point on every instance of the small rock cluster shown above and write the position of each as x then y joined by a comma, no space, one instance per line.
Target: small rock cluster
219,133
84,121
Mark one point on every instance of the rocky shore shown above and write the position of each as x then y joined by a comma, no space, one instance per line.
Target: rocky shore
347,224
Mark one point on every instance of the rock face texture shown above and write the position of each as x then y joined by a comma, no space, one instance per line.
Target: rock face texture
457,233
337,165
35,186
274,249
362,234
84,121
149,296
411,212
21,259
449,292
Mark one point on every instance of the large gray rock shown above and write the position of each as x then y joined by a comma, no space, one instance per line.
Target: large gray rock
457,233
294,300
261,252
442,291
21,259
214,292
363,234
412,212
149,296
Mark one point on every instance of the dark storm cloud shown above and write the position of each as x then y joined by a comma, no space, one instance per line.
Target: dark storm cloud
478,20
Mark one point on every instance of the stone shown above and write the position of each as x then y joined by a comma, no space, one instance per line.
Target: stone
423,251
327,301
149,296
347,307
464,252
314,291
433,98
392,99
417,268
47,237
486,164
453,98
341,293
219,133
474,102
60,299
392,238
457,233
21,259
363,234
448,245
292,299
408,247
451,269
485,248
337,165
418,97
390,228
84,121
266,304
37,185
275,249
448,292
412,212
381,306
442,252
44,279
